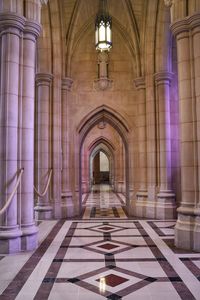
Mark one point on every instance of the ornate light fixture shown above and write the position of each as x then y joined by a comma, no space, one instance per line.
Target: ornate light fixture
103,24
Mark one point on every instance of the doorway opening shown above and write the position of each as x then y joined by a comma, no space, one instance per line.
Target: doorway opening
103,155
100,168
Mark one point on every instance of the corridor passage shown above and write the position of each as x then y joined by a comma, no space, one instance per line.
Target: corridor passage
103,203
105,255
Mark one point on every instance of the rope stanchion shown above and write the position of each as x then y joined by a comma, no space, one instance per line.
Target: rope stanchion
46,188
8,202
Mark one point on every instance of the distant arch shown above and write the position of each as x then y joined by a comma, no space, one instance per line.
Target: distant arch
118,122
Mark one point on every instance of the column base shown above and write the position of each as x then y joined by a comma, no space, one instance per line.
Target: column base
197,234
131,194
43,212
120,187
68,207
10,240
151,202
184,231
150,209
29,239
165,206
141,204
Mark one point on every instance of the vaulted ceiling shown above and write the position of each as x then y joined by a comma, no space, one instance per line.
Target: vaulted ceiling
67,22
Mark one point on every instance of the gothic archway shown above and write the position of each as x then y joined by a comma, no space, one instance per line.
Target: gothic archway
114,119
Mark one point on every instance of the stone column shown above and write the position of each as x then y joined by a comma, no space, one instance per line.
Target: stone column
85,168
196,54
11,27
120,167
151,147
142,136
165,207
117,169
29,230
187,230
43,209
66,180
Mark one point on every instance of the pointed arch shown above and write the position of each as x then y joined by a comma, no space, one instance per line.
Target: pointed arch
106,114
119,123
102,140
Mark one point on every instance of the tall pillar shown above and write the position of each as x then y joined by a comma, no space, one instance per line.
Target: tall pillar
85,174
165,206
116,179
120,167
142,194
43,209
196,53
187,230
29,230
66,179
151,147
11,27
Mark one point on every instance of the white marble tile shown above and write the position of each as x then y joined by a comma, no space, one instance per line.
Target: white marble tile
130,232
146,268
71,269
10,266
84,225
123,224
80,232
155,291
197,263
164,223
69,291
131,240
44,228
38,274
17,261
140,252
76,241
167,231
188,278
76,253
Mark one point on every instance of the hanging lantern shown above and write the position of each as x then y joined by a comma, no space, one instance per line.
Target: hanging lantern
103,24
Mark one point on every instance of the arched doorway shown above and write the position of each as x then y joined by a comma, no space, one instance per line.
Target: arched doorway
100,168
114,123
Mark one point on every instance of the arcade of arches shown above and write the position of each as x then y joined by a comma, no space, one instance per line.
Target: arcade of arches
72,134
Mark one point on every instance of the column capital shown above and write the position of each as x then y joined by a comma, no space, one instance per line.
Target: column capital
140,83
163,77
67,83
32,29
186,24
10,21
44,2
168,3
179,26
194,21
43,79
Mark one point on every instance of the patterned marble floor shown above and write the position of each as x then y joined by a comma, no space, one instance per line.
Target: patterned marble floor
103,203
93,259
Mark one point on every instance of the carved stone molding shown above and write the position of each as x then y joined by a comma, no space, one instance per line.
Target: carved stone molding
168,3
139,83
43,79
13,23
163,77
67,83
102,125
44,2
103,83
186,24
10,21
32,29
